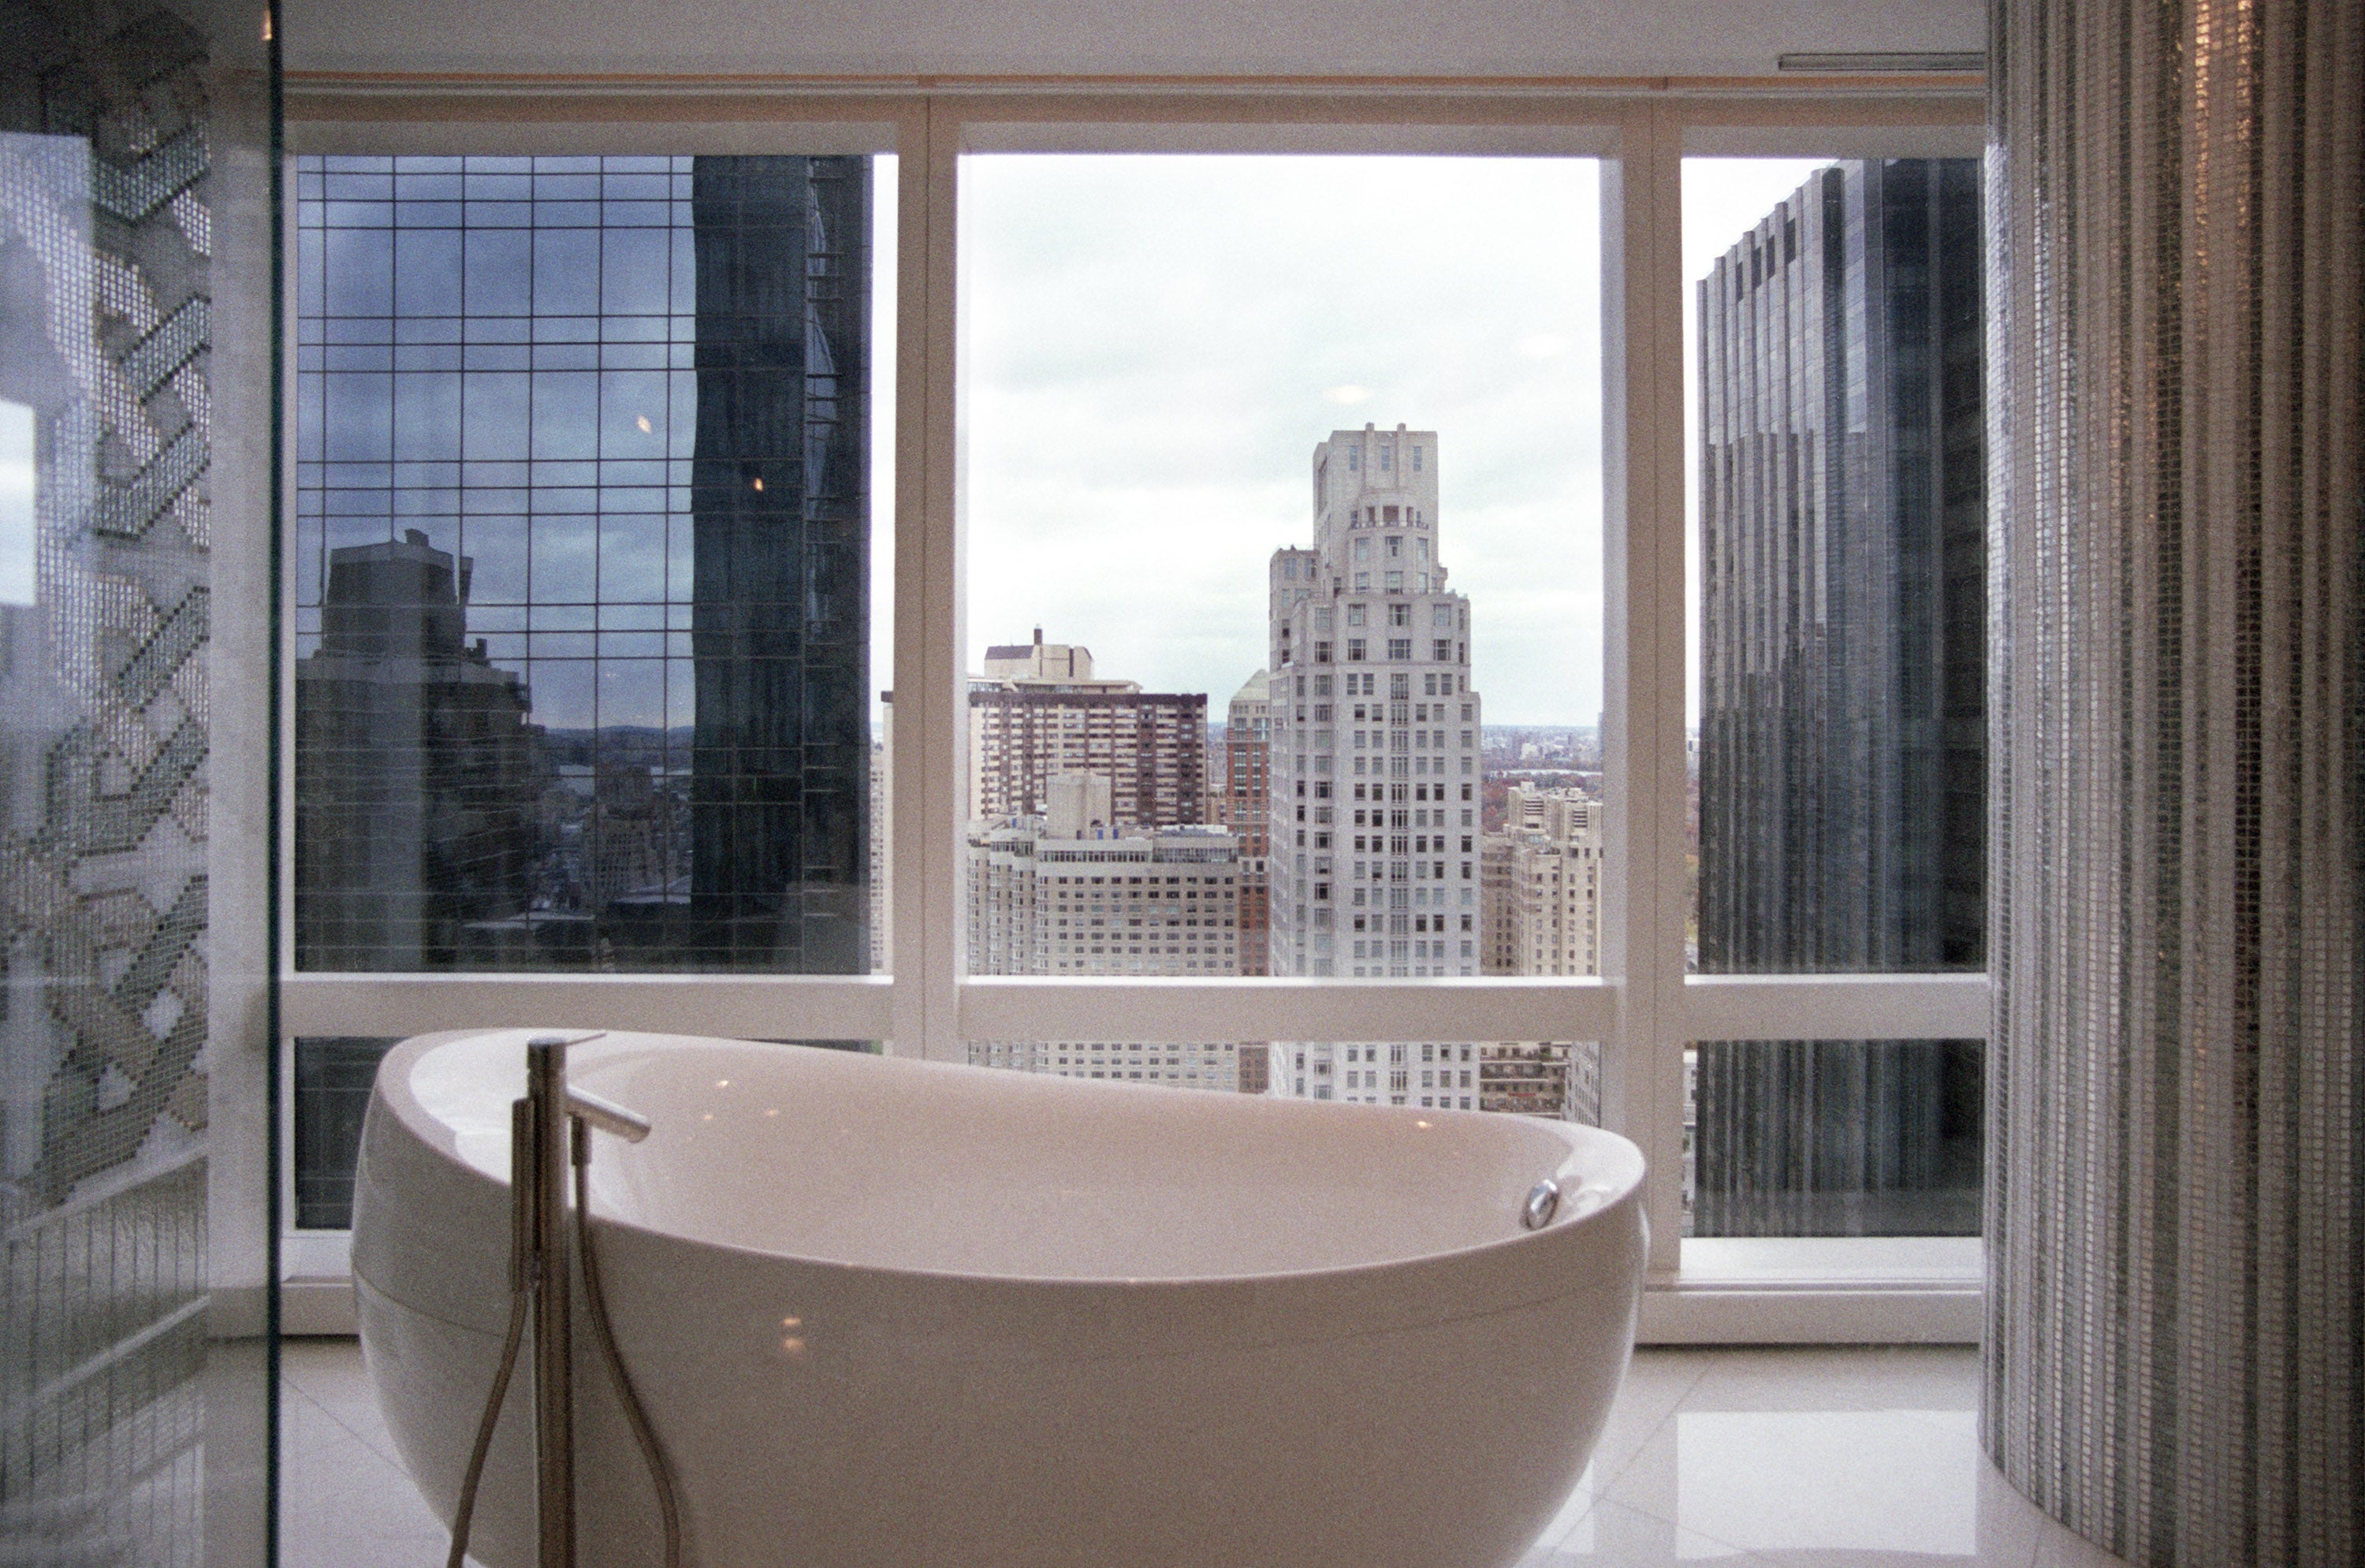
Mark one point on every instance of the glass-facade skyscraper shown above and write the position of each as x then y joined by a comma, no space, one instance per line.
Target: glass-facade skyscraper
779,775
582,559
1842,744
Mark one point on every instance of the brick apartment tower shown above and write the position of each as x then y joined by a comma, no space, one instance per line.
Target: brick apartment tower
1037,711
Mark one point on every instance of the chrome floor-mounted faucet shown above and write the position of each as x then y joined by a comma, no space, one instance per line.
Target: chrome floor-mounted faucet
550,1129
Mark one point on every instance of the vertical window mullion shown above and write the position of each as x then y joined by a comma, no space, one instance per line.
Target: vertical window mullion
1644,686
931,740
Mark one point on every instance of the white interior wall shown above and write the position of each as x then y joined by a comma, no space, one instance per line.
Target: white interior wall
1473,38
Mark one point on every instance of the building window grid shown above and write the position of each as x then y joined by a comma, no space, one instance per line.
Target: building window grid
496,376
345,495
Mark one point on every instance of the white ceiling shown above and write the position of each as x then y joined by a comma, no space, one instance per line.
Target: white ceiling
1450,38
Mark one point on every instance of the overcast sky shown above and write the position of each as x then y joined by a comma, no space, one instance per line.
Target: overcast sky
1152,345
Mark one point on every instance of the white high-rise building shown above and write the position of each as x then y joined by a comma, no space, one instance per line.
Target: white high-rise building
1068,894
1374,762
1373,863
1541,885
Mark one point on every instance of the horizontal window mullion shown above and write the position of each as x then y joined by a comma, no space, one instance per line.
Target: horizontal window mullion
324,124
1834,1007
804,1007
1009,1008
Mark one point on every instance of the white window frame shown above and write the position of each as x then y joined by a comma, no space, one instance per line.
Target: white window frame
1643,1008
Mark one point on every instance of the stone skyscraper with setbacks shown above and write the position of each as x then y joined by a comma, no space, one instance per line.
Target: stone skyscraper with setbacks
1373,861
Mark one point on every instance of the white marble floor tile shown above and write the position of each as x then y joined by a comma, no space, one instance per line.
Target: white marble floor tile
1570,1534
1875,1485
1816,1377
330,1370
341,1503
1835,1458
1616,1536
330,1373
1752,1458
1657,1382
2059,1547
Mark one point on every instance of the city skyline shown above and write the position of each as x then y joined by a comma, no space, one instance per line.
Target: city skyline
1150,375
1723,196
1111,400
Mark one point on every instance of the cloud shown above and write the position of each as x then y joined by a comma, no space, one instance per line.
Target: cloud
1152,346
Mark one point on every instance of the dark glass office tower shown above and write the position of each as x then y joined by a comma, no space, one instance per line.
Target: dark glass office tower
581,576
780,754
582,536
1843,763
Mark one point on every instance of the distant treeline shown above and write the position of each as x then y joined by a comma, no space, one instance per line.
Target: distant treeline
624,746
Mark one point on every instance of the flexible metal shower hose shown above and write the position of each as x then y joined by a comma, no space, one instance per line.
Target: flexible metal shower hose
466,1512
660,1473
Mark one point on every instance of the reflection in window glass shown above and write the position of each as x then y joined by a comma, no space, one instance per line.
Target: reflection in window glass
582,564
334,1075
1832,1138
1841,770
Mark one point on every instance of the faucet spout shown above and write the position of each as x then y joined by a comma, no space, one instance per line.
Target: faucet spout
606,1114
601,1113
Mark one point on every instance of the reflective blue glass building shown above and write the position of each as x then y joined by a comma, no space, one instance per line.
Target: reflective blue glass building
1842,744
582,557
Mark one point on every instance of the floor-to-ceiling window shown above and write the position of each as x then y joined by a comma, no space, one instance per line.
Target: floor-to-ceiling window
1833,353
1115,543
1282,534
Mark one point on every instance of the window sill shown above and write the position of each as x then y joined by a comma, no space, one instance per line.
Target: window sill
1821,1290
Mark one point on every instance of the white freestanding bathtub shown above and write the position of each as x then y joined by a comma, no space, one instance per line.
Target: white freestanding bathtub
901,1313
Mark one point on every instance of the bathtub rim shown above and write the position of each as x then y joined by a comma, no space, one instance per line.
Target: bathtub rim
1621,1188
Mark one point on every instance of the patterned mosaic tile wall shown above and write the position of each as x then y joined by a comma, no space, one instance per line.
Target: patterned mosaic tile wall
2175,1289
103,244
